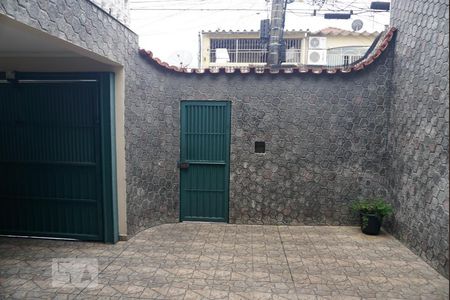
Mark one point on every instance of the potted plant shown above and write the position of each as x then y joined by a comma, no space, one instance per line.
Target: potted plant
371,213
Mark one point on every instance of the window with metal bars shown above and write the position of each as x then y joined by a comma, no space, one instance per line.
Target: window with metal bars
345,56
346,60
251,50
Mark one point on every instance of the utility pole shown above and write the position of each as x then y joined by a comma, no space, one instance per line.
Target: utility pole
276,32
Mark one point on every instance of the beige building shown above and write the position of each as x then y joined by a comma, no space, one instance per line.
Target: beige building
327,47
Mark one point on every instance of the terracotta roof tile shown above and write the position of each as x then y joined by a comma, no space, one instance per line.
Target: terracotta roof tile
381,46
332,31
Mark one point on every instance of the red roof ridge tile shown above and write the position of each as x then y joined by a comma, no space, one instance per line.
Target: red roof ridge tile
381,46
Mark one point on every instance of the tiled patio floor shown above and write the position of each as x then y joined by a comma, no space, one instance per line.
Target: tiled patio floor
219,261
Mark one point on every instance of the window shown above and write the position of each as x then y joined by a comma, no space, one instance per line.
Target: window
345,56
260,147
240,50
250,50
346,60
293,48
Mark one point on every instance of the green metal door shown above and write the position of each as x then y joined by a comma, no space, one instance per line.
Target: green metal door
51,170
204,165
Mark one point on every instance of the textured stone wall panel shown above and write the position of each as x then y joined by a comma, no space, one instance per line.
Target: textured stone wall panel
77,21
326,142
327,135
419,126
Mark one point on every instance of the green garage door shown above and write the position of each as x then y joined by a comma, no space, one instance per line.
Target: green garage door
52,158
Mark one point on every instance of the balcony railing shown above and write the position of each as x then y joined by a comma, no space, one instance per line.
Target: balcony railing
293,56
248,51
344,56
337,57
241,56
339,60
253,56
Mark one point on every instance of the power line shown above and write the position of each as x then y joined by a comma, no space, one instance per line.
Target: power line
243,9
196,27
149,22
301,14
370,19
240,18
164,1
201,9
353,7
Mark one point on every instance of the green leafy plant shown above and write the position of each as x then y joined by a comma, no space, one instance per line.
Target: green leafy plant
378,207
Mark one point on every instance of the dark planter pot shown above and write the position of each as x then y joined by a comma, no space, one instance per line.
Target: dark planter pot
373,224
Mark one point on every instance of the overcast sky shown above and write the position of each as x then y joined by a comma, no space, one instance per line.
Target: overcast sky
171,27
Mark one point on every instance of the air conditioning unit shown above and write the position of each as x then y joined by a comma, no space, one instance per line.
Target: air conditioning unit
222,55
317,42
317,57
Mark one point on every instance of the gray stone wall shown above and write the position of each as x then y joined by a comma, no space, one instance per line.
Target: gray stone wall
326,141
326,135
151,150
419,125
330,138
79,22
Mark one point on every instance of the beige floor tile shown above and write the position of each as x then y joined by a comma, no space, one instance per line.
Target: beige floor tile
226,261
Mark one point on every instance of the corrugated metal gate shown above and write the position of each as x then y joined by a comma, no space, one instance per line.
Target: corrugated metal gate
52,172
205,151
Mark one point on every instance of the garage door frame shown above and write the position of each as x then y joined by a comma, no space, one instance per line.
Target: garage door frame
107,130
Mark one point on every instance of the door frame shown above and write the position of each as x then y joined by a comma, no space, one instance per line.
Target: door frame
228,161
109,232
